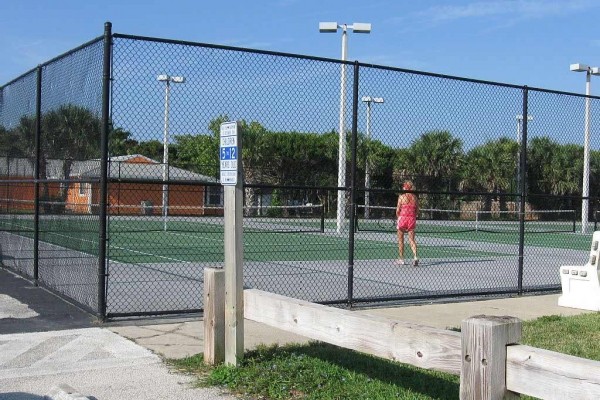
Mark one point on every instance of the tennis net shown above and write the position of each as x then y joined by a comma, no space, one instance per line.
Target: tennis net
74,222
430,220
210,219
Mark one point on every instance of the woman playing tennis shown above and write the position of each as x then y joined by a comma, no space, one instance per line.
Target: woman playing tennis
406,211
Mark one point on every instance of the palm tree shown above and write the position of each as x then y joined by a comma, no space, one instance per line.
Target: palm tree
121,143
435,160
554,169
70,133
491,167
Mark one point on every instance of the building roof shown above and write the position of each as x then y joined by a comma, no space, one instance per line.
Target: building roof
24,168
119,167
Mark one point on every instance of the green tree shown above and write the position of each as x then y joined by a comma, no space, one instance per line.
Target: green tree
553,169
491,167
434,161
595,175
6,142
198,153
153,149
23,145
120,142
71,133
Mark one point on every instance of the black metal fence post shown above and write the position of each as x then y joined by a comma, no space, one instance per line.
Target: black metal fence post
36,175
103,242
522,189
352,187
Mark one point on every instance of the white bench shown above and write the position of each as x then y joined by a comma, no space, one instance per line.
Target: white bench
581,284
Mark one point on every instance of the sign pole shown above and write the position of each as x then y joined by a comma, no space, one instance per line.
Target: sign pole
232,181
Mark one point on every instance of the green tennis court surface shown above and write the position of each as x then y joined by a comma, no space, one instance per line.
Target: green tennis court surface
142,240
166,246
558,240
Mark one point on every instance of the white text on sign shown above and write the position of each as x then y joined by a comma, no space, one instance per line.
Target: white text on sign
228,153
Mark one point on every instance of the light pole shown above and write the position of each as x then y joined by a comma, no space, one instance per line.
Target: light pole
165,189
368,100
519,140
331,27
586,142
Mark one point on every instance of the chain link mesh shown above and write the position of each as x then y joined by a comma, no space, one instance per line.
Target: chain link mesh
17,159
459,142
67,255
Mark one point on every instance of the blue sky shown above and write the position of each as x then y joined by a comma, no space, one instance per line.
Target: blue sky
528,42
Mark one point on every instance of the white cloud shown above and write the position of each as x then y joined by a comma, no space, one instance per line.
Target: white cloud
513,9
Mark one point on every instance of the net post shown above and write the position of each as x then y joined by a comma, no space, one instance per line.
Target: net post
575,218
322,218
522,190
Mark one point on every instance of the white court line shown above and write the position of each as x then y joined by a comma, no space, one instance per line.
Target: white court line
194,236
151,254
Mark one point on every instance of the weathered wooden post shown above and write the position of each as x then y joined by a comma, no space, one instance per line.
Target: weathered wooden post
214,316
232,179
484,341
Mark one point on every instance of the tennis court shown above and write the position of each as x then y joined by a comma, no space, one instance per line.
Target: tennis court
157,264
149,239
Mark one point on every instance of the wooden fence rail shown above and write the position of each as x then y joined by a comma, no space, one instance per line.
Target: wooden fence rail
484,354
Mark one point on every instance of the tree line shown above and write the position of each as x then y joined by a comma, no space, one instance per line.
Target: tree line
436,161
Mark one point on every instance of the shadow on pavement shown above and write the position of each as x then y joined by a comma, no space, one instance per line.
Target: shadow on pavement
54,312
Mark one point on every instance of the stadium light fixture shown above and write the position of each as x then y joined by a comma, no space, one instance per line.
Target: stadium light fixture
368,100
332,27
589,71
519,140
165,189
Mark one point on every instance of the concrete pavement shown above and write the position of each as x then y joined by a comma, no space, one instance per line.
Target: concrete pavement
46,342
47,345
178,339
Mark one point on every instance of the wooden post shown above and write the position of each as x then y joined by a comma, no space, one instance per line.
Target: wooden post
234,279
232,178
484,341
214,316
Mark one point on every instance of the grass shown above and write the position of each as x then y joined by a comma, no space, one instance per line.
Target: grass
320,371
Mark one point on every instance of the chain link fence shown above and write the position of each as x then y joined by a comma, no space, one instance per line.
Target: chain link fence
110,191
51,131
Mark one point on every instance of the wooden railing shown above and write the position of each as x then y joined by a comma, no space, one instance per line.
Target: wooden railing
485,353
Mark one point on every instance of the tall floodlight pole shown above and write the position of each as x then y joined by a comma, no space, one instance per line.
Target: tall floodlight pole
330,27
165,189
519,140
368,100
586,142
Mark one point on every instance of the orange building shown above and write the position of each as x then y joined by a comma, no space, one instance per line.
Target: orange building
135,187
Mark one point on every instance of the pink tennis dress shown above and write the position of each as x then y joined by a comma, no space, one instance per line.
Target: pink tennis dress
408,217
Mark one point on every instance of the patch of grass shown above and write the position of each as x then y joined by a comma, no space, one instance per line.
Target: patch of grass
322,371
577,335
319,371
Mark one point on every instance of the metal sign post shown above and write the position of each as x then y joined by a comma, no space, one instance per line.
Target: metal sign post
230,151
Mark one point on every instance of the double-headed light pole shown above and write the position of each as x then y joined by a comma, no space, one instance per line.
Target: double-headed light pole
586,142
368,100
332,27
165,189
